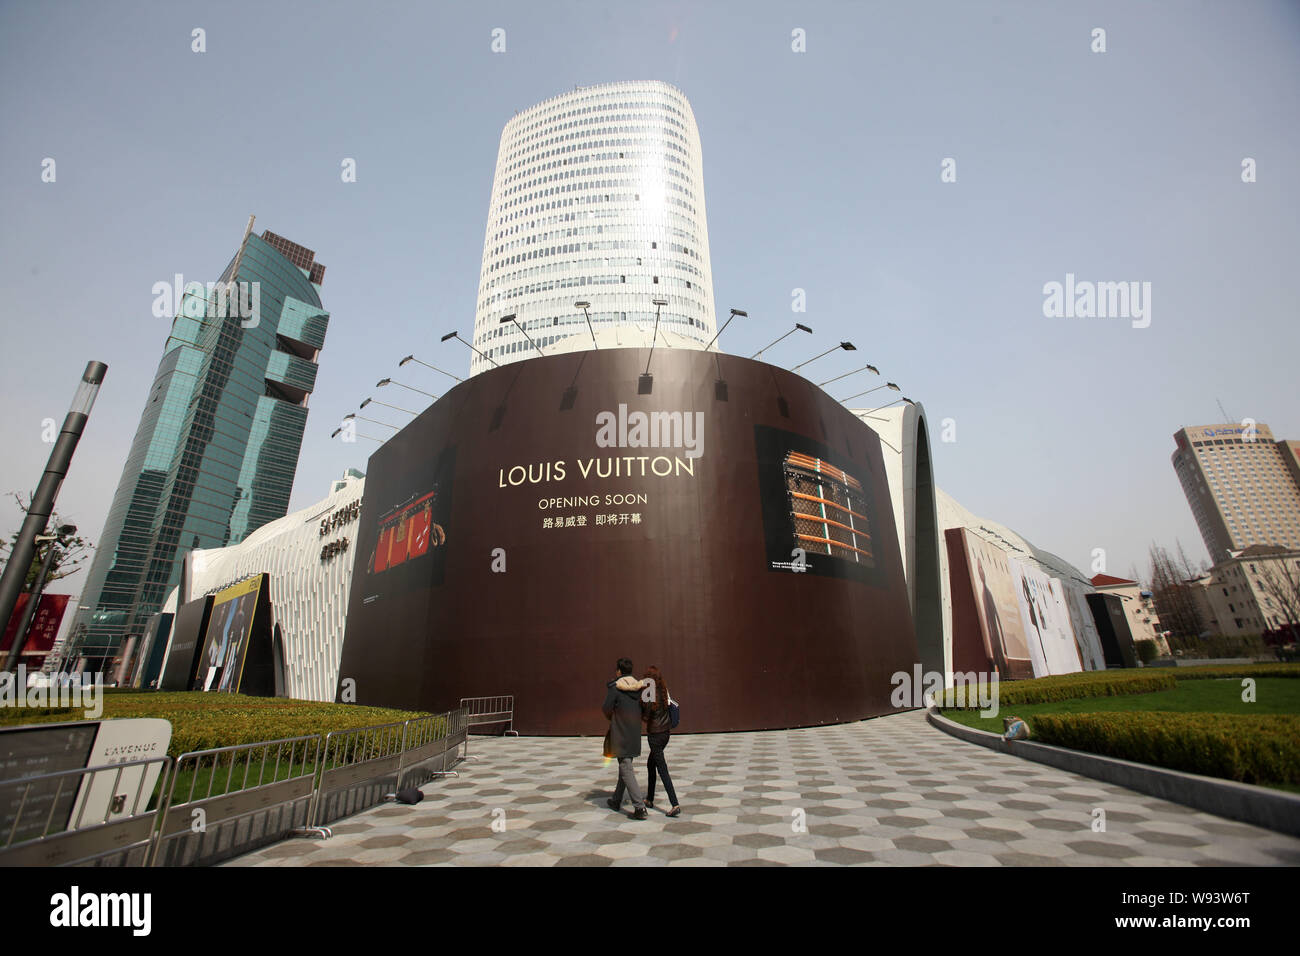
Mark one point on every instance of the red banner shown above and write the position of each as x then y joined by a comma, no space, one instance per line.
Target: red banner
45,625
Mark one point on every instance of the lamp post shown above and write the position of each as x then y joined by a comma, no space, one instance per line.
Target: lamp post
388,381
865,368
584,306
42,504
889,385
514,317
34,600
798,327
412,358
456,336
846,346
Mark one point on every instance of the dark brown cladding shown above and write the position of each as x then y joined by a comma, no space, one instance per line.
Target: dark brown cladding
300,256
495,555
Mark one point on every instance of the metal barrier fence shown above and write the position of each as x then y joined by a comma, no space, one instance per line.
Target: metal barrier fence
45,823
359,767
229,800
219,803
480,711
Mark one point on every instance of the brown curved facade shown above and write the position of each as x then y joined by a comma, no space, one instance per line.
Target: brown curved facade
463,588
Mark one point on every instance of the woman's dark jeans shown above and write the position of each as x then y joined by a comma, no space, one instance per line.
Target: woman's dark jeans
657,762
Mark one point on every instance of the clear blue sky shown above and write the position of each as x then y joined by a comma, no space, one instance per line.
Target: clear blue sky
822,172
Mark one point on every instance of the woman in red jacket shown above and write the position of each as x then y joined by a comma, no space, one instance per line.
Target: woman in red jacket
658,728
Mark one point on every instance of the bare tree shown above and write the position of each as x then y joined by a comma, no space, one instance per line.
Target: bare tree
73,549
1279,578
1171,589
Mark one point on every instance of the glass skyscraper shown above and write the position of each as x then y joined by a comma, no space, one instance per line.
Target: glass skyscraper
598,197
216,449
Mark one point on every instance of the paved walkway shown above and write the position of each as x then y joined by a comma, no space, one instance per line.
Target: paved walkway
888,791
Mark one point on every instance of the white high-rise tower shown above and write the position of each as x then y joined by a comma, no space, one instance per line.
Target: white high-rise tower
598,198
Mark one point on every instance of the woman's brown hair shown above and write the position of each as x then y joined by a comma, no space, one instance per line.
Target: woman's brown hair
661,689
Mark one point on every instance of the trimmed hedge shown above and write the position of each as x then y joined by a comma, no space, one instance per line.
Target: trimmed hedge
1045,690
1118,682
1259,750
201,721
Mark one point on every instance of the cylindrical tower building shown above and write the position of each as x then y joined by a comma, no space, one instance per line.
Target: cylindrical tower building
598,197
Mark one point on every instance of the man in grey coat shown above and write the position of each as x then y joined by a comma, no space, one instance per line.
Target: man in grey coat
623,708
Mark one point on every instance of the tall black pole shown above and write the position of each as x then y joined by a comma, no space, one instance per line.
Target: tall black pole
29,611
42,506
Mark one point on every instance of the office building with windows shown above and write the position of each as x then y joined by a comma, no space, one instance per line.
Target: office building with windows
598,198
217,446
1242,486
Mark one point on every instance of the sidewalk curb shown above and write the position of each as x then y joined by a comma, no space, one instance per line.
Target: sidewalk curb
1271,809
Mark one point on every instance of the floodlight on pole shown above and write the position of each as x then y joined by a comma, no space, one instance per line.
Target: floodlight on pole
386,405
889,385
456,336
584,306
412,358
846,346
388,381
658,304
798,327
373,421
734,313
865,368
514,317
894,402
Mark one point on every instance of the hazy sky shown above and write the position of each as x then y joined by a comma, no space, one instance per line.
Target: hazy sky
821,170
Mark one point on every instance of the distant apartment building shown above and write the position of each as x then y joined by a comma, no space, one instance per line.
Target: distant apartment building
1255,591
1242,485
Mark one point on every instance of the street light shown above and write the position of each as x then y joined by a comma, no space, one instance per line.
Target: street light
797,328
42,503
846,346
412,358
388,381
514,317
734,313
865,368
386,405
870,390
456,336
584,306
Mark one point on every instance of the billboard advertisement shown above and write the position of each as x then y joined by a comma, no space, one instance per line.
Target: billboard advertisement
1085,629
721,518
42,631
1045,621
221,662
994,624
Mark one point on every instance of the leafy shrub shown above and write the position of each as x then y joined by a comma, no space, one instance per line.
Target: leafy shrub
1043,690
1146,651
1262,749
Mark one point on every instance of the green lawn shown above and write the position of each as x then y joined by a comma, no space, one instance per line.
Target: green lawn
1273,695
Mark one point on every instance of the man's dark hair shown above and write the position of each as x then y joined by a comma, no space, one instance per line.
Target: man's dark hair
624,666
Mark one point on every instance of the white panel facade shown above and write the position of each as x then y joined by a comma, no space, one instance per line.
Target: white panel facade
599,197
309,591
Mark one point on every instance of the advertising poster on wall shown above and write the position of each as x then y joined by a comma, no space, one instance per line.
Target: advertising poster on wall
1045,621
998,607
411,534
226,643
818,517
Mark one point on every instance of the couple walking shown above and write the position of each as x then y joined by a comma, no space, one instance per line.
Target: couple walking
629,702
